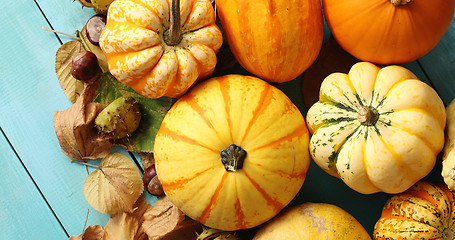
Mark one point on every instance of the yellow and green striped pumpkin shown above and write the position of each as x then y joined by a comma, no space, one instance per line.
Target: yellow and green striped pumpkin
425,211
376,129
200,137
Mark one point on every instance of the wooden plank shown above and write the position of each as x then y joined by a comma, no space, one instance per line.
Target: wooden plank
439,65
30,93
21,202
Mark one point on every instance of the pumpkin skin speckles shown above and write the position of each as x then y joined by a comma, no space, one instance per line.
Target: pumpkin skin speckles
217,113
137,54
376,129
425,211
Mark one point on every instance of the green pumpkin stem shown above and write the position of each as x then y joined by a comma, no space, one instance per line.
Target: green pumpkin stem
233,157
368,116
397,3
173,36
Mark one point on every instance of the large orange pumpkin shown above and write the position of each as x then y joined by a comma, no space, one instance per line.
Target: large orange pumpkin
274,40
388,31
232,152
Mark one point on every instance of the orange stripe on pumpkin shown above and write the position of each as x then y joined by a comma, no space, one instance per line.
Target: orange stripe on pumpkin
265,100
181,182
298,174
208,209
181,138
270,201
301,130
190,99
240,221
224,88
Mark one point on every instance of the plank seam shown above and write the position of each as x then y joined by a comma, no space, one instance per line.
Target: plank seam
48,22
33,180
429,79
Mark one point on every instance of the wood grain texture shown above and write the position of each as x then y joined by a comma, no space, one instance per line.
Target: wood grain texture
21,202
30,93
439,65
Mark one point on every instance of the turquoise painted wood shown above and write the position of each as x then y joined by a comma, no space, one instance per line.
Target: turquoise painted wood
30,93
21,202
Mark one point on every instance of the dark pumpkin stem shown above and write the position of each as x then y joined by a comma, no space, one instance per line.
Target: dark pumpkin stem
368,116
397,3
173,36
233,157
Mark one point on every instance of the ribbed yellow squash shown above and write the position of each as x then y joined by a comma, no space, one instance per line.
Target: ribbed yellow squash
425,211
448,158
139,55
232,152
313,221
376,129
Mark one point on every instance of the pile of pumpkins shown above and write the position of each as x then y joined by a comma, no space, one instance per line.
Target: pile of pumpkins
233,150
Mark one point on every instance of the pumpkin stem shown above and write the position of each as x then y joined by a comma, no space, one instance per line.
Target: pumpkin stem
233,157
397,3
368,116
173,35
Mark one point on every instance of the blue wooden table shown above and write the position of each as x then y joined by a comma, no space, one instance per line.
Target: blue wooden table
41,190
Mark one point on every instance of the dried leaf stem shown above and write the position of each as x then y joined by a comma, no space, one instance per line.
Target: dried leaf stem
62,33
86,164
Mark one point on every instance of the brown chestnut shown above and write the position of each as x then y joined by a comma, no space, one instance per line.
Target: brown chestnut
151,181
94,27
84,66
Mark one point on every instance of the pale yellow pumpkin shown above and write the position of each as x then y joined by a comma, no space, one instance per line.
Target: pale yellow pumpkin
219,118
376,129
313,221
448,163
139,54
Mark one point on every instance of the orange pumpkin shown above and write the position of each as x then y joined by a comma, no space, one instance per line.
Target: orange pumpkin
274,40
425,211
232,152
388,31
141,52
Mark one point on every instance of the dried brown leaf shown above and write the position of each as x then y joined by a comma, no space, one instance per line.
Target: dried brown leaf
332,58
124,226
93,232
147,159
75,130
63,62
165,221
115,186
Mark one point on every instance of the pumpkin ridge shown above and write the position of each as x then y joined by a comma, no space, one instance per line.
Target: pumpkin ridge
240,221
289,107
146,6
279,172
327,100
407,130
113,38
190,99
170,186
390,88
264,100
270,201
206,213
225,89
298,131
406,199
176,136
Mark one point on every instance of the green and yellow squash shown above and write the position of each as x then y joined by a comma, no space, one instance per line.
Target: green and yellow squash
376,129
